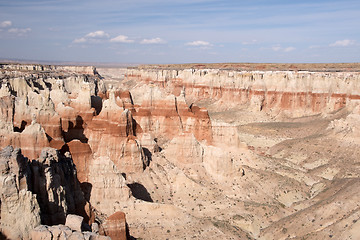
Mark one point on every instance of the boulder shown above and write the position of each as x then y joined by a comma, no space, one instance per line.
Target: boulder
41,232
74,222
62,232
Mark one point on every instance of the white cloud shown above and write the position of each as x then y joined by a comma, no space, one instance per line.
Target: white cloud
314,46
199,44
289,49
153,41
79,40
249,42
121,39
53,29
19,31
5,24
97,34
278,48
342,43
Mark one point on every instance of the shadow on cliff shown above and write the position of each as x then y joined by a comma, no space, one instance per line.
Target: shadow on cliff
3,237
148,155
75,132
52,211
55,183
96,102
140,192
85,210
86,188
21,128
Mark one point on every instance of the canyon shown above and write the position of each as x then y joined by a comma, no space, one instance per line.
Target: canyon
180,152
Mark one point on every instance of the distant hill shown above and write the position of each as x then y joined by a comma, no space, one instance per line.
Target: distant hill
71,63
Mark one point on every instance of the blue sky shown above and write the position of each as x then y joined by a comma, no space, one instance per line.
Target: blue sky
180,31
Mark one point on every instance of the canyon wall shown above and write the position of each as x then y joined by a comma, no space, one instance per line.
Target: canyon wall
49,68
293,93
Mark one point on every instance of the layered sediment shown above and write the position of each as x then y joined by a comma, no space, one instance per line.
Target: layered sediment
294,93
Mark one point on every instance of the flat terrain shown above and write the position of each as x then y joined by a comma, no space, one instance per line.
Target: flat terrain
315,67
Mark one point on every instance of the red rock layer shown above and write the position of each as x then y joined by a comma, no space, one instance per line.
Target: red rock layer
262,91
195,120
111,134
32,141
171,116
158,117
115,226
81,154
122,97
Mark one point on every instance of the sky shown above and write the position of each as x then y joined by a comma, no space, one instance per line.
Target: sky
180,31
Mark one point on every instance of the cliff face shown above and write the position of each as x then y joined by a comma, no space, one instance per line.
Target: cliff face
294,93
90,70
44,190
16,200
207,153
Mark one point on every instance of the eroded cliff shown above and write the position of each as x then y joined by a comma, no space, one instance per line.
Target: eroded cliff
293,93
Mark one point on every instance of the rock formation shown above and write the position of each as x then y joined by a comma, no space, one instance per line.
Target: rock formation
49,184
71,230
202,153
17,202
293,93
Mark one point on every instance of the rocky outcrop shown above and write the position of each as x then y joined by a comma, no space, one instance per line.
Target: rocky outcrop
55,182
32,140
6,119
166,116
17,201
194,120
107,186
43,191
112,134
